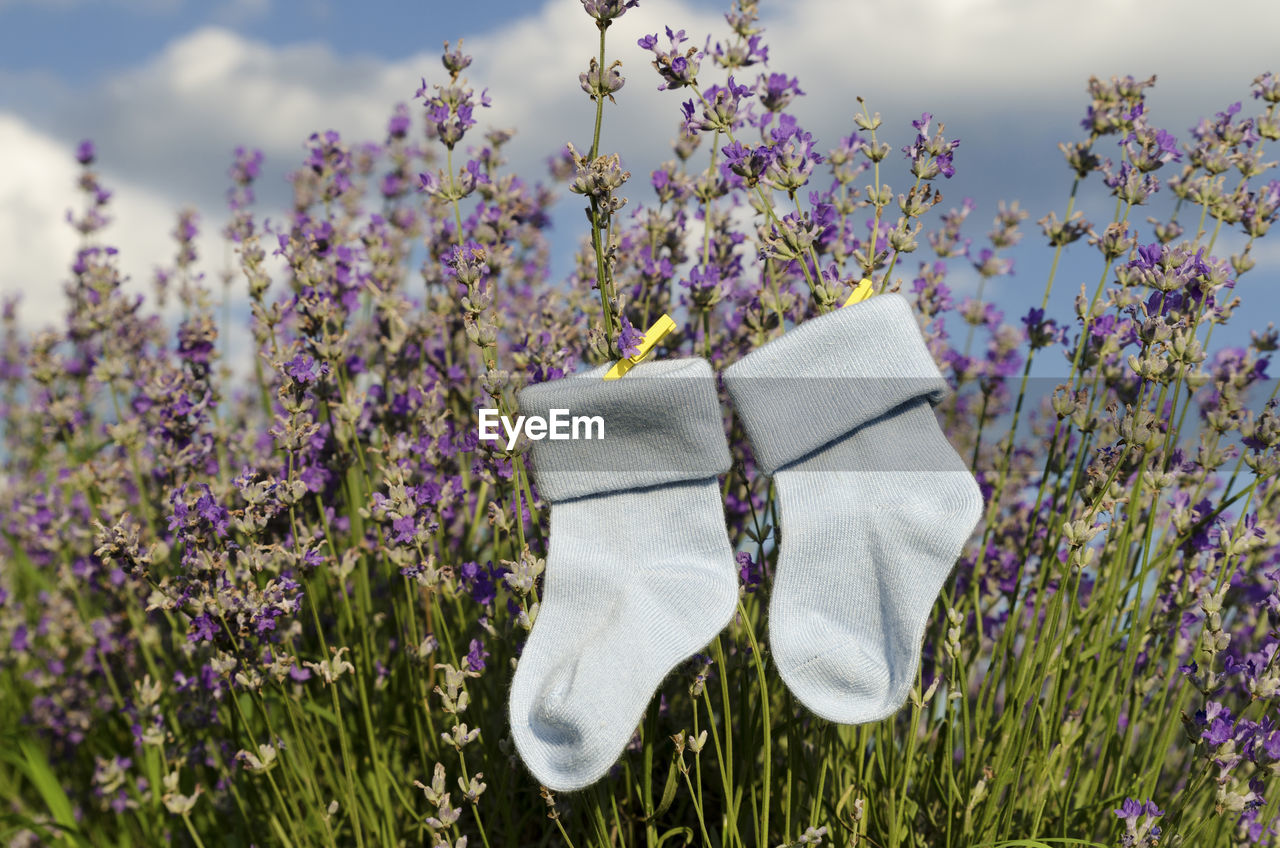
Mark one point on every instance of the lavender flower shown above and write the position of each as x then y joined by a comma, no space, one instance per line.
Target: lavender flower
930,155
793,155
750,163
607,11
720,109
629,338
777,91
676,69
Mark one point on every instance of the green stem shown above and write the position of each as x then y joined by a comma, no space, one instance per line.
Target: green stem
610,326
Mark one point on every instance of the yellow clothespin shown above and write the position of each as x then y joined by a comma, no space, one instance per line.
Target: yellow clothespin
652,336
861,292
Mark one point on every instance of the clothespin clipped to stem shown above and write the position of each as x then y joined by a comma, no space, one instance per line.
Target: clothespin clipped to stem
652,336
861,292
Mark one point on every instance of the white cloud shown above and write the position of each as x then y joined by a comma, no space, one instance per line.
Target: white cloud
38,246
1013,45
33,198
214,89
165,132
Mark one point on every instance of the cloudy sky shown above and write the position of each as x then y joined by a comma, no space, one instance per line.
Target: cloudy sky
167,89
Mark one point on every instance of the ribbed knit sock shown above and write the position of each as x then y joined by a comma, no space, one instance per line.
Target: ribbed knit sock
640,574
875,504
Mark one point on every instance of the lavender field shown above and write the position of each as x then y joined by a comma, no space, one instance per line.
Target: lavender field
276,596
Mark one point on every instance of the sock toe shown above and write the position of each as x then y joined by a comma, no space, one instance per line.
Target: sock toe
562,732
843,683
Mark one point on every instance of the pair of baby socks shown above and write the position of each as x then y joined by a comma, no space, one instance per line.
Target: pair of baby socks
874,507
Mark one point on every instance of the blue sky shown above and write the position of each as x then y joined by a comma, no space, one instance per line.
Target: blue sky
93,38
168,87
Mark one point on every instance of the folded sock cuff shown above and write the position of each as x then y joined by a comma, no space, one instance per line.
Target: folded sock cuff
661,424
829,376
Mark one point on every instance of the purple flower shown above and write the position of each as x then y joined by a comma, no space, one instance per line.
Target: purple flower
1129,810
930,155
1219,731
750,572
705,286
1148,148
479,582
1042,332
629,338
989,264
213,512
454,61
1144,832
85,152
676,69
777,90
246,166
1271,746
750,163
740,55
1129,183
793,155
398,125
469,265
405,529
720,108
202,629
605,11
476,655
303,369
449,111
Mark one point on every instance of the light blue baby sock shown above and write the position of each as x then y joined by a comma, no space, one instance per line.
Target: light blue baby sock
874,502
640,574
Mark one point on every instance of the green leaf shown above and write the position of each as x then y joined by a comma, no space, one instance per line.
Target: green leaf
152,765
322,712
280,832
686,832
668,791
39,773
58,831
